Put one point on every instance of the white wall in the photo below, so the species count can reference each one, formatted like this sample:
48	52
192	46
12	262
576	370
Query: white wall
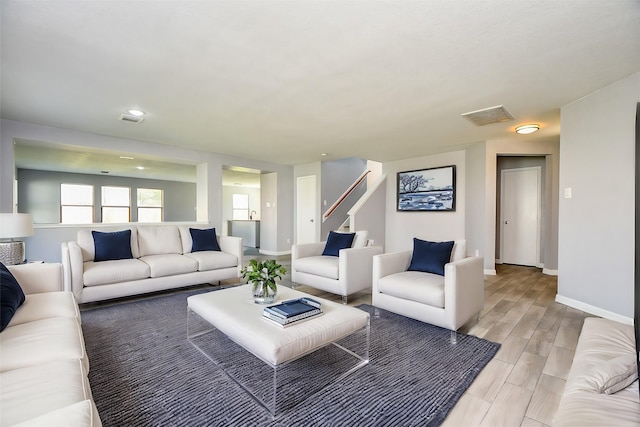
402	227
596	225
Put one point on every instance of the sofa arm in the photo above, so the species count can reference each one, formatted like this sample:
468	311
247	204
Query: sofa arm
391	263
355	267
464	289
73	268
304	250
233	246
37	278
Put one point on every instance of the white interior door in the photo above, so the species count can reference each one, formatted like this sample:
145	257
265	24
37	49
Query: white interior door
307	212
520	216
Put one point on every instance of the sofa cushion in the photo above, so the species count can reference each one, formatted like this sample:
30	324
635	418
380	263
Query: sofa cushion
11	296
213	260
37	390
203	240
337	241
112	246
81	414
107	272
46	305
159	240
425	288
84	239
41	341
430	257
169	264
325	266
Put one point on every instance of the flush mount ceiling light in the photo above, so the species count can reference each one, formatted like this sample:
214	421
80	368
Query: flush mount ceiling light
135	112
525	129
140	168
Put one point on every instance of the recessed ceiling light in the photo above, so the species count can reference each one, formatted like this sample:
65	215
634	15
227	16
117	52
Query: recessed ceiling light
324	154
525	129
126	157
140	168
137	113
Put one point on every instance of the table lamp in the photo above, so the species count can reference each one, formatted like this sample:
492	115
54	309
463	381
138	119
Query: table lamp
14	225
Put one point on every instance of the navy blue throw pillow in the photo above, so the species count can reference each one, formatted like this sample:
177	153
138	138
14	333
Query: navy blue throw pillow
11	296
430	257
204	240
337	241
112	246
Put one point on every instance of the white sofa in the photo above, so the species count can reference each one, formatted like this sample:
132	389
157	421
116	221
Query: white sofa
447	301
43	363
605	357
346	274
162	259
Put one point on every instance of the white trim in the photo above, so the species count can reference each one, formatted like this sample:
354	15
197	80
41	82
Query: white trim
587	308
549	272
273	253
498	261
489	272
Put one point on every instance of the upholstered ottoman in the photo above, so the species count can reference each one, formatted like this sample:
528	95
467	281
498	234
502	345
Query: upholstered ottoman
279	367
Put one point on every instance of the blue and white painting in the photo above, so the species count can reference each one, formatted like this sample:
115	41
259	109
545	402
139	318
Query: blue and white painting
427	189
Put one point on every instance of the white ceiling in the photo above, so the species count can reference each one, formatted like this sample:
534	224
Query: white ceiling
285	81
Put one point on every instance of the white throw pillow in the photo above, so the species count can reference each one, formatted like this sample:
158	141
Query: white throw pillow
616	374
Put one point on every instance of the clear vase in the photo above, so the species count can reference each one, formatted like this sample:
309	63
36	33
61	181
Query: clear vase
263	293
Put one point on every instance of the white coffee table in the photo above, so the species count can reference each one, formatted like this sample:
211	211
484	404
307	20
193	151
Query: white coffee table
283	366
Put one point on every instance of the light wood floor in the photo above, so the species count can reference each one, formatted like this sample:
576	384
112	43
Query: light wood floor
523	383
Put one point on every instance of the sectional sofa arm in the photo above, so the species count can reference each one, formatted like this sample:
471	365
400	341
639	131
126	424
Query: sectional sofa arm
73	267
233	245
37	278
303	250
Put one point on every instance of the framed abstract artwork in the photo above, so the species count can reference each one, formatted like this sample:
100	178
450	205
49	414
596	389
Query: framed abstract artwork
432	189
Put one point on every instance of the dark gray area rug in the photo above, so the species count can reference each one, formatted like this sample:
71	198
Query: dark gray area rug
144	372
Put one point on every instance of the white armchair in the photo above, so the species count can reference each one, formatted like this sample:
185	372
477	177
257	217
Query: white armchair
447	301
348	273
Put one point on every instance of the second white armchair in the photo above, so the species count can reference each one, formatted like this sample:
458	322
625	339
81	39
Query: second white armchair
448	298
345	274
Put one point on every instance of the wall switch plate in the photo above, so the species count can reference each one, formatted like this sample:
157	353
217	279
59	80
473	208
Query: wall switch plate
567	193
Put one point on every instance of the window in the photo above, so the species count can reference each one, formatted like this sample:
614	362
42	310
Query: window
115	204
240	206
76	204
149	205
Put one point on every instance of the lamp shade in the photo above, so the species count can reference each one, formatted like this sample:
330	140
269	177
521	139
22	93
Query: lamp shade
15	225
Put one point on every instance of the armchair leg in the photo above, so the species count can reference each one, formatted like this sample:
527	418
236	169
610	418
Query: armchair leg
453	339
344	299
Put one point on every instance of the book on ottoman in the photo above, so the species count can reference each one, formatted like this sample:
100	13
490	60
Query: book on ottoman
292	310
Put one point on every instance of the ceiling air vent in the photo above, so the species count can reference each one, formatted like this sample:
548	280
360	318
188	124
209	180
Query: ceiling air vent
488	115
130	118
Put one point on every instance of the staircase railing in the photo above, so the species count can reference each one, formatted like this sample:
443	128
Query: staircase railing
348	191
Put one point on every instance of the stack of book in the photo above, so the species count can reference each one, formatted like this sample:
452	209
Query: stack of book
289	312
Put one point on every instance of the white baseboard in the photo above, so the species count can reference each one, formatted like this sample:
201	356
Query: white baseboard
549	272
489	272
273	253
498	261
588	308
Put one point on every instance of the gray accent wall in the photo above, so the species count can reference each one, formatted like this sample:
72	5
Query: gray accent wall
39	194
596	225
